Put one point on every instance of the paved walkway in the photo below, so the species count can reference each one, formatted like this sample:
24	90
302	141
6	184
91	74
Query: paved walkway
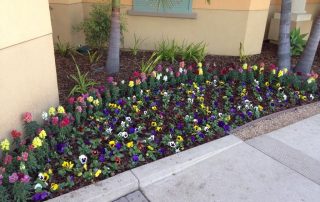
281	166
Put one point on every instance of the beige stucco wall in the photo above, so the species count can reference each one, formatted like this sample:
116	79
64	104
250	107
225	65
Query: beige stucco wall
223	24
28	79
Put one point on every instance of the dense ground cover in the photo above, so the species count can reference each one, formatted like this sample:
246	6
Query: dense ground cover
125	124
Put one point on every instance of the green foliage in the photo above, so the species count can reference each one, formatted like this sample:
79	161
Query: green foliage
243	58
297	41
82	82
94	57
21	191
148	67
193	52
4	196
97	27
31	128
137	43
64	49
168	50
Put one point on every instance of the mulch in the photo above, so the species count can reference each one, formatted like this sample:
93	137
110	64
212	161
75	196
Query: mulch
130	63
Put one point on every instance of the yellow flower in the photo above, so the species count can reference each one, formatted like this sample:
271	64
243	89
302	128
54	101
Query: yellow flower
96	102
154	108
179	138
130	144
85	166
54	187
200	65
201	99
131	84
208	82
278	85
52	111
43	134
254	67
79	174
303	97
98	172
311	80
196	128
267	83
273	71
37	142
61	110
195	85
245	66
285	70
153	124
67	164
261	70
200	71
5	145
90	99
228	118
112	143
280	73
158	128
50	171
260	108
150	148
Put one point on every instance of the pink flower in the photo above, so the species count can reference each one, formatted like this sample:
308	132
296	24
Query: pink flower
80	99
177	74
25	179
1	178
13	178
109	79
65	121
15	134
182	64
27	117
55	120
7	159
143	77
24	156
71	100
159	68
79	109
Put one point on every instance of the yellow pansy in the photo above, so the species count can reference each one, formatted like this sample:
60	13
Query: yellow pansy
154	108
112	143
36	142
90	99
154	124
98	172
200	71
96	102
201	99
159	128
130	144
179	138
50	171
61	110
278	85
5	145
200	65
131	84
254	67
54	187
245	66
228	118
150	148
260	108
267	83
197	128
280	73
42	134
67	164
85	166
208	82
52	111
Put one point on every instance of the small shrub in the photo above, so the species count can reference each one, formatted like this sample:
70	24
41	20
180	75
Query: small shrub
64	49
137	43
97	27
94	57
297	42
82	82
193	52
148	67
168	50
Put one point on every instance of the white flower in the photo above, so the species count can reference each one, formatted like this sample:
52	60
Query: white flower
165	78
109	130
285	97
124	134
180	70
145	112
83	159
44	116
165	94
159	76
123	124
141	92
172	144
151	138
122	82
195	120
167	69
41	176
239	107
247	101
206	129
177	150
128	119
220	114
190	100
260	98
38	186
311	96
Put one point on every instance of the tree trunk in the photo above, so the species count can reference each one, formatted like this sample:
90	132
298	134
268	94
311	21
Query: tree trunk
113	57
305	63
284	55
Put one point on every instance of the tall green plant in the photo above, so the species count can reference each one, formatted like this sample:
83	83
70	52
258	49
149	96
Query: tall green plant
297	41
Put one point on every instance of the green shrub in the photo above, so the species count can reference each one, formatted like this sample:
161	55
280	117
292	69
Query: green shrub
64	49
97	27
94	57
137	43
168	50
148	67
193	52
297	42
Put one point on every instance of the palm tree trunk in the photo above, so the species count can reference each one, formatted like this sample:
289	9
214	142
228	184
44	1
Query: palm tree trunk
284	55
113	57
305	63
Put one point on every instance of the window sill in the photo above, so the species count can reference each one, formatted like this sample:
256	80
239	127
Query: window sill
165	15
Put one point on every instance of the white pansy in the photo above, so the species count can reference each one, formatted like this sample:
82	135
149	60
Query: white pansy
109	130
311	96
206	129
172	144
145	112
220	114
151	138
122	82
239	107
83	159
123	124
128	119
124	134
165	78
44	116
285	97
190	100
159	76
195	120
38	186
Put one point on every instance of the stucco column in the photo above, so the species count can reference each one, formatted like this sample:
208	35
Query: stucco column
299	19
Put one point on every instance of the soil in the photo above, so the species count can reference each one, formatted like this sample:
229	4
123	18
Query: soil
130	63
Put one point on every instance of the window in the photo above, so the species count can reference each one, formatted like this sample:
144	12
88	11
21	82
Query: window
178	8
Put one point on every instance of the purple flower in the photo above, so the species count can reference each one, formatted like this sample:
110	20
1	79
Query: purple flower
249	113
226	128
13	178
40	196
131	130
201	135
193	139
25	179
60	147
233	110
135	158
102	158
221	124
162	151
180	126
212	118
101	128
117	111
102	150
111	153
87	142
121	102
153	132
118	145
106	112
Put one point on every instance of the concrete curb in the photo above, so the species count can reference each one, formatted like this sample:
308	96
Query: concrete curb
158	170
124	183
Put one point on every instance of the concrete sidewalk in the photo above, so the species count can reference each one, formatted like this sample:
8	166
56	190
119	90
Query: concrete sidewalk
281	166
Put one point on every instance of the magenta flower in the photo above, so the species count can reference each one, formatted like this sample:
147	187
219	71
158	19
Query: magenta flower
7	159
24	156
25	179
13	178
109	79
27	117
71	100
79	109
55	120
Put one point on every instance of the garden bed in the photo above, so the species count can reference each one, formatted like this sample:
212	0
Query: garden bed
124	124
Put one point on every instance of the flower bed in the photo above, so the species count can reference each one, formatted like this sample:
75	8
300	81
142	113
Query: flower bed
123	125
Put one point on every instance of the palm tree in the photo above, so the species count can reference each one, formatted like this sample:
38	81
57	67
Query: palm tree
284	55
113	58
305	63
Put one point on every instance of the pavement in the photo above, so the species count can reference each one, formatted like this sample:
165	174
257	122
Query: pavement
281	166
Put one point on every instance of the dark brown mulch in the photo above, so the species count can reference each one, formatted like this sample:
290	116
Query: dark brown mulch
129	63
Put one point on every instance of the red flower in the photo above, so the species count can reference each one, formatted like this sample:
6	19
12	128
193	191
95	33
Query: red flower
15	134
71	100
55	120
65	121
224	71
117	159
136	74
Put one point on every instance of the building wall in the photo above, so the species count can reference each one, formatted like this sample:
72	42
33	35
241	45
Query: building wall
223	24
28	75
